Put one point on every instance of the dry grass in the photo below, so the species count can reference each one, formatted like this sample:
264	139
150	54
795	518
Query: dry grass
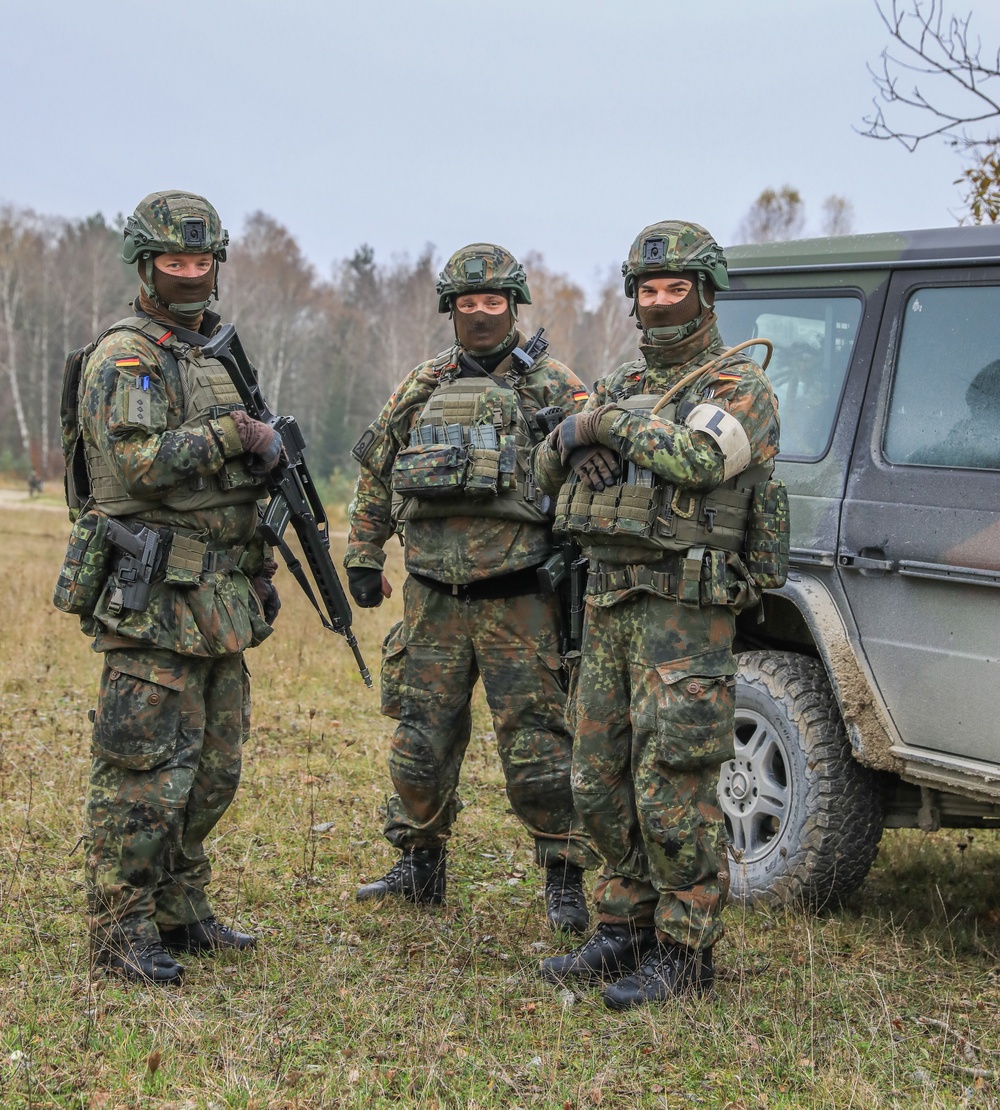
891	1001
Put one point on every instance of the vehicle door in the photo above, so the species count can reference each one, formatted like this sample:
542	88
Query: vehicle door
919	544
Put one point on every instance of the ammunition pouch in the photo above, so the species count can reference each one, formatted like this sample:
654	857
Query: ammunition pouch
439	470
85	568
768	535
430	471
469	455
698	577
657	516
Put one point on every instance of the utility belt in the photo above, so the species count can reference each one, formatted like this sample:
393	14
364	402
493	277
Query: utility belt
145	555
519	583
678	577
662	576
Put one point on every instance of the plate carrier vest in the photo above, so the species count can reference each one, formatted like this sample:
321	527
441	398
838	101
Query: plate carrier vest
469	455
208	391
647	511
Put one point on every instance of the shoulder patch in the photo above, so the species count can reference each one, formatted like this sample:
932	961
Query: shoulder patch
364	444
138	407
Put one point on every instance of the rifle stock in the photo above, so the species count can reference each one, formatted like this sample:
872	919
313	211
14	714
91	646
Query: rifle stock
294	498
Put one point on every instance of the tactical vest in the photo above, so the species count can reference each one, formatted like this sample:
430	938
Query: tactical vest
469	455
207	390
647	511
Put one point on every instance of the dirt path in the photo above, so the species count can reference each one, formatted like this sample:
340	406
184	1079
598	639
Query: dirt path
19	499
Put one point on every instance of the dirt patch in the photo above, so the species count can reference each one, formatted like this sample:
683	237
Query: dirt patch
21	499
865	726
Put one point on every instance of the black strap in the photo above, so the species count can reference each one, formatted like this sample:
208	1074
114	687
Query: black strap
520	583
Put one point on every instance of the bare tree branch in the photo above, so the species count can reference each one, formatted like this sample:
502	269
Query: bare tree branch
938	50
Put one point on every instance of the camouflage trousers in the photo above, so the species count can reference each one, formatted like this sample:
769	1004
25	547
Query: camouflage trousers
166	759
431	662
654	722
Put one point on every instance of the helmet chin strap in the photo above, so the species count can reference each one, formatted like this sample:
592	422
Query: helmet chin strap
668	337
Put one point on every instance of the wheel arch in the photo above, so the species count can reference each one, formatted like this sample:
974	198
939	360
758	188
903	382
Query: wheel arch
805	617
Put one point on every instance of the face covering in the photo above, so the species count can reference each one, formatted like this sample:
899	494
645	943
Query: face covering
173	292
481	333
671	315
668	324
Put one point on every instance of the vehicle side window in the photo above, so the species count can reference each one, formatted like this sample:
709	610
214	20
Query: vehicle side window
813	339
945	403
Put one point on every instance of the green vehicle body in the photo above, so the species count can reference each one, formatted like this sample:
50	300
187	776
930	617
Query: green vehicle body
865	699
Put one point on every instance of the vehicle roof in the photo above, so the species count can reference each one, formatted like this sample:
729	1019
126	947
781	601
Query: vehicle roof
976	245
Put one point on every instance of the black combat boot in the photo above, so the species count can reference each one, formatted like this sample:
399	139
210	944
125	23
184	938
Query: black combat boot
565	901
612	951
670	971
419	875
140	961
205	936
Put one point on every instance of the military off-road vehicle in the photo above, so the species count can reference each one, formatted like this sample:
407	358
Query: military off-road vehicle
869	690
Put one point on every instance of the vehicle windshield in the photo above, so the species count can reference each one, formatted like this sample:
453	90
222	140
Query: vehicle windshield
813	337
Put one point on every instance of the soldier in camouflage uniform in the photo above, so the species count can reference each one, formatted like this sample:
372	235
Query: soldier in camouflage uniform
654	713
452	448
168	446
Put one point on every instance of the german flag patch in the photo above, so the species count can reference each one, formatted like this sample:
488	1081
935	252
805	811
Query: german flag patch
127	363
580	395
729	377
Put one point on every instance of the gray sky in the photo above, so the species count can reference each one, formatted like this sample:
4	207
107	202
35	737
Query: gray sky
562	126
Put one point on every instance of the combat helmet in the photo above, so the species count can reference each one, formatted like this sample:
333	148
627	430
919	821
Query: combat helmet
672	245
478	267
174	222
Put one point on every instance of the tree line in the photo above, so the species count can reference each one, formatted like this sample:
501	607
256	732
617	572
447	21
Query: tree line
329	350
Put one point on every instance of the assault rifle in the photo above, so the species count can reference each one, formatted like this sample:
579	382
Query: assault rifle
294	499
524	357
565	571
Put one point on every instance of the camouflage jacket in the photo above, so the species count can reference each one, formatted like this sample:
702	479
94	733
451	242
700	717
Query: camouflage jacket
152	456
453	549
689	459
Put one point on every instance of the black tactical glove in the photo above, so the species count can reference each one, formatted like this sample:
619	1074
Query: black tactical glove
577	430
266	591
365	586
596	466
260	441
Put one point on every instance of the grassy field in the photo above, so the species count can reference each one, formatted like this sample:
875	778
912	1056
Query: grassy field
890	1001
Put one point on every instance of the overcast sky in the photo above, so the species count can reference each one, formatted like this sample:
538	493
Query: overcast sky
561	126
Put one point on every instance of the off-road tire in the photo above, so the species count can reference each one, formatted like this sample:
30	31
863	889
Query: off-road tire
804	817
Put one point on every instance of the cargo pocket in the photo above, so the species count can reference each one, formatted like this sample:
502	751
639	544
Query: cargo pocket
391	675
138	715
695	705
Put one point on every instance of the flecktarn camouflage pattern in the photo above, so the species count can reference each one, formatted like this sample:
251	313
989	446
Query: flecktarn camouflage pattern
174	703
478	267
431	665
167	749
174	222
673	245
654	712
448	641
650	738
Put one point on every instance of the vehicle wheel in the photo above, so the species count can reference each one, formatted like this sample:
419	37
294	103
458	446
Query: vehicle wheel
804	818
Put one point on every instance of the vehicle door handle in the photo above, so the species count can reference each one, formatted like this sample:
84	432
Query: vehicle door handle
869	559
